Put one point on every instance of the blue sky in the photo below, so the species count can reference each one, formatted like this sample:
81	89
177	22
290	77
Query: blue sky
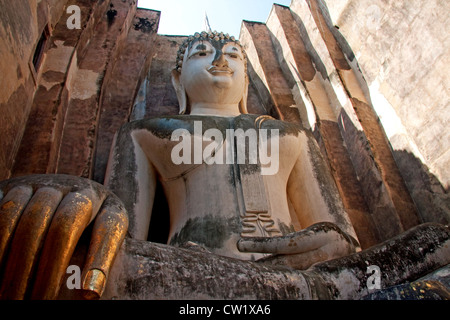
185	17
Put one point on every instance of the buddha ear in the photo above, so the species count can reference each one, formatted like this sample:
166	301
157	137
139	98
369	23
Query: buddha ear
179	90
243	102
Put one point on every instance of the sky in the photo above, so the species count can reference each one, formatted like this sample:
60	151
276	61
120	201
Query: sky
185	17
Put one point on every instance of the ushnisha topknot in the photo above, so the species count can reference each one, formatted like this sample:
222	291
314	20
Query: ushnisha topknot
208	36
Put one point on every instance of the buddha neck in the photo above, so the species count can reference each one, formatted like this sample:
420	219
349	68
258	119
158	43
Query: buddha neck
215	109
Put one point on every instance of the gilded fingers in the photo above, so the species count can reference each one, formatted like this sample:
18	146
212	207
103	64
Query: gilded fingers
11	208
108	234
94	284
39	233
27	241
70	220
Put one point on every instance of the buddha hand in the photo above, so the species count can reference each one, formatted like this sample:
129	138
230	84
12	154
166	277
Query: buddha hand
42	217
300	250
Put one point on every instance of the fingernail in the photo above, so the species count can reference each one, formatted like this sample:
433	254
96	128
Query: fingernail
94	284
241	245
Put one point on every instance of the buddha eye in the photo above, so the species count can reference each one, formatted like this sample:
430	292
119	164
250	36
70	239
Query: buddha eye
202	53
233	55
199	54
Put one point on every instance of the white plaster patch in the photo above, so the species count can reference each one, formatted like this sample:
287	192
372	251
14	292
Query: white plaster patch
389	118
390	121
348	283
84	84
57	60
58	57
304	106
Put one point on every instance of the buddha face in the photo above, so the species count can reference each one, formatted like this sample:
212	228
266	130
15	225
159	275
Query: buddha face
213	72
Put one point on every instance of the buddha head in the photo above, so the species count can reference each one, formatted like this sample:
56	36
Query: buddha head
210	77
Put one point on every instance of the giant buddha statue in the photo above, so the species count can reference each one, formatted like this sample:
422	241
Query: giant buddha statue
246	193
228	176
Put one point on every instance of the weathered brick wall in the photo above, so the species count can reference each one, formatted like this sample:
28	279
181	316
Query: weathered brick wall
403	51
21	26
125	73
84	90
297	57
38	151
391	175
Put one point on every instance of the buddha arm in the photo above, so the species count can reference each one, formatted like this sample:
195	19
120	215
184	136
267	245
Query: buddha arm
132	177
326	231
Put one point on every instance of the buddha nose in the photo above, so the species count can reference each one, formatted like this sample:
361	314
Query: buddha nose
219	60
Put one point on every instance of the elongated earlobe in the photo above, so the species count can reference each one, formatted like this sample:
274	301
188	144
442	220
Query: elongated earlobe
179	90
243	102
